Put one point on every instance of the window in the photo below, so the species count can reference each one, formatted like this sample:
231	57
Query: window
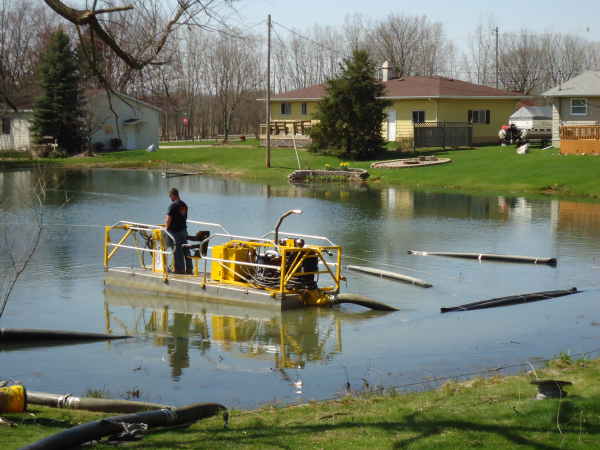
480	117
286	109
579	106
303	109
6	125
109	129
418	116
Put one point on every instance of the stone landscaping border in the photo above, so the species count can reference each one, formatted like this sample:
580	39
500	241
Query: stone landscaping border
407	163
329	175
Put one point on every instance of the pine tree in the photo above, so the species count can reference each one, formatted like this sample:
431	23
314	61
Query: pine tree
57	114
351	115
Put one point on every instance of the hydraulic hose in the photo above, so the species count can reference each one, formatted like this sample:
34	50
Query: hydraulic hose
364	301
98	429
69	401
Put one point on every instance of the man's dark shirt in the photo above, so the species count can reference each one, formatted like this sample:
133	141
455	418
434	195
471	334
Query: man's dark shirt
178	212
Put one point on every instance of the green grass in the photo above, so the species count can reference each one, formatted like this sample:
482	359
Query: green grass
480	413
492	168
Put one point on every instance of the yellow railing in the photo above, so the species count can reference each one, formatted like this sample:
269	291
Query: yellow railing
577	132
152	233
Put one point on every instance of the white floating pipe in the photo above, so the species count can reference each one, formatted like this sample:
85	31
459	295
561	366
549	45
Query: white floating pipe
391	275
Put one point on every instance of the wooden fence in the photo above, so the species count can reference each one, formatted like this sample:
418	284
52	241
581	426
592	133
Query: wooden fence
443	134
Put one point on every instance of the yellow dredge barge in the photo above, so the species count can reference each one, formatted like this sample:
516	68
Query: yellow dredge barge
265	272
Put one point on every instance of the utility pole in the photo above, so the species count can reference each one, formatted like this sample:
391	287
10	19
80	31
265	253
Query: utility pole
497	85
268	143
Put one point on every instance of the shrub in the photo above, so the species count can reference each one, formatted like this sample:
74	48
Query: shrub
58	153
115	143
97	146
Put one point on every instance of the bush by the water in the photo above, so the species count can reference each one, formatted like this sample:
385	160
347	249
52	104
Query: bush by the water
115	143
98	146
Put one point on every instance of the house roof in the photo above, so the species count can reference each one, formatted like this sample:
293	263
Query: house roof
25	102
524	102
585	85
414	87
533	112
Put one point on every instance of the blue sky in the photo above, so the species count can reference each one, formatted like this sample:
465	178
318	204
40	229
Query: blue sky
460	17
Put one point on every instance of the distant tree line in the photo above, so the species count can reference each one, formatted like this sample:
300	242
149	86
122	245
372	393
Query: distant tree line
192	59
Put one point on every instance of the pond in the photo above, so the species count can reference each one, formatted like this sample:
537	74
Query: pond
191	351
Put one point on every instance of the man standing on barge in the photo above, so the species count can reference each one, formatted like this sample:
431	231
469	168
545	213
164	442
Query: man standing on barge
176	225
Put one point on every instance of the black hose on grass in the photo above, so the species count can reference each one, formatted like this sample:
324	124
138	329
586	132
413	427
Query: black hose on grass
96	430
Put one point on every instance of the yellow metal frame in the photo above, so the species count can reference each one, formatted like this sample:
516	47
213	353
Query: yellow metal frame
318	298
314	297
156	234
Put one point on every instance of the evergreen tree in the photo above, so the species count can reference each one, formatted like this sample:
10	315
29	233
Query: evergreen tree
57	114
352	113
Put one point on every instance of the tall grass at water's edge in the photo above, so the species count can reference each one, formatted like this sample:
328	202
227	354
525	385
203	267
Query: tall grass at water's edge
490	413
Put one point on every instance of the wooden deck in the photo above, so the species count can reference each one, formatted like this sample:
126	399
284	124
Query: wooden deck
580	139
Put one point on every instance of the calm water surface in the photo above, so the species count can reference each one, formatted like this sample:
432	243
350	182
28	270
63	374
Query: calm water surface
189	351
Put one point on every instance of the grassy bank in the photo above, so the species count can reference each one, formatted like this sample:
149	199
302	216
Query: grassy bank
480	413
493	168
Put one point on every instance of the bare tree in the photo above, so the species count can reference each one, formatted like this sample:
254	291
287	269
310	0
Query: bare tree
232	69
478	63
522	63
23	219
95	115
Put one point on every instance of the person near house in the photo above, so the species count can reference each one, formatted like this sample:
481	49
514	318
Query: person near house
176	225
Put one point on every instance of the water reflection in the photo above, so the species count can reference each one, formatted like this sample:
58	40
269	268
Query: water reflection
286	339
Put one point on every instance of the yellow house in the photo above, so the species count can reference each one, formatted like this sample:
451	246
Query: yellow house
416	100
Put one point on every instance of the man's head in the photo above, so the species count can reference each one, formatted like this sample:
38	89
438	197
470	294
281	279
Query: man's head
174	194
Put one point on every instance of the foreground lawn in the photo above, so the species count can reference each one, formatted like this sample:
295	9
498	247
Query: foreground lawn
492	168
480	413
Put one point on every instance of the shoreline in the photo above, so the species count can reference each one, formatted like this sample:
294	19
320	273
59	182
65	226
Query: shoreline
491	412
485	169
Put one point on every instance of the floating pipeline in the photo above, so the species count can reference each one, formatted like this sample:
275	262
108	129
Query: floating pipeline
69	401
21	334
96	430
511	300
390	275
489	257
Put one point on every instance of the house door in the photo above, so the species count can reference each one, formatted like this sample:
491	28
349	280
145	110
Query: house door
391	125
132	138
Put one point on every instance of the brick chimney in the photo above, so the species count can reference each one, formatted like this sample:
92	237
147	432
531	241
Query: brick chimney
386	71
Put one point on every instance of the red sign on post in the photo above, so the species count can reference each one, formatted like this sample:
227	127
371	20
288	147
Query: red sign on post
185	122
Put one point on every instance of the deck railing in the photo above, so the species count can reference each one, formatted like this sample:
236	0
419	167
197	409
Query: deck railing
577	132
287	128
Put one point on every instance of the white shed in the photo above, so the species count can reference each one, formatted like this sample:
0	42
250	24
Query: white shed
133	121
532	117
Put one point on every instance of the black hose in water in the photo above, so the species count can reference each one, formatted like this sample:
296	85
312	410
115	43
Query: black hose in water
511	300
364	301
21	334
98	429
